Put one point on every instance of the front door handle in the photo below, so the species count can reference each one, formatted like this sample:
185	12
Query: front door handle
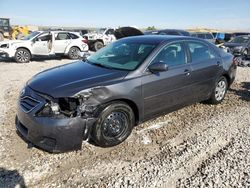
187	72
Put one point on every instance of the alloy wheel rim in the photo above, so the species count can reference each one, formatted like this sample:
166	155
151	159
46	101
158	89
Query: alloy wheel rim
220	90
115	124
74	53
22	56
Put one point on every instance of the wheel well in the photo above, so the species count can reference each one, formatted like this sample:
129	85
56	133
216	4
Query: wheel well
131	105
75	47
25	49
228	79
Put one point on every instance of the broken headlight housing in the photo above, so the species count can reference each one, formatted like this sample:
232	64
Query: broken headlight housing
49	109
62	107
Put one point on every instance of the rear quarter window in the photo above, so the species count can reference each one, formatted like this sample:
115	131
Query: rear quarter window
73	36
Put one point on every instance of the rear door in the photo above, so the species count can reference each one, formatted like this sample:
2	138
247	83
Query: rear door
164	91
62	40
206	66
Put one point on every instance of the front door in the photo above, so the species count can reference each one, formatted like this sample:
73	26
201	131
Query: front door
164	91
42	44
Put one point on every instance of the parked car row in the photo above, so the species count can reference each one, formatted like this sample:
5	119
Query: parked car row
71	44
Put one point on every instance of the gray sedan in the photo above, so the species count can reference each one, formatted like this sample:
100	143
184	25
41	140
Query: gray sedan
125	83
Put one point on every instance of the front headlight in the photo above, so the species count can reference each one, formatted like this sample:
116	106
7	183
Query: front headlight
49	110
61	107
4	46
55	108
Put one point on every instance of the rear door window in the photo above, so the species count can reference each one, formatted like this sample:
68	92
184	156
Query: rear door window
62	36
173	55
200	52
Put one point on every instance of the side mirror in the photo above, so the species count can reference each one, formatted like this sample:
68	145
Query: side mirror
158	67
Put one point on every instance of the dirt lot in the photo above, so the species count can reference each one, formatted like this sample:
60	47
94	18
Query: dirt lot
200	145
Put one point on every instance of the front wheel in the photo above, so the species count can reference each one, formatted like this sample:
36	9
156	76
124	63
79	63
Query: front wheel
114	125
22	55
220	91
74	53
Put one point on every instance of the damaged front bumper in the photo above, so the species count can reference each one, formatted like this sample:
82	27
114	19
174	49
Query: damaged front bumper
51	134
4	53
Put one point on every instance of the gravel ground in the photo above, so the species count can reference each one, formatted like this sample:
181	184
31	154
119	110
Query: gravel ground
198	146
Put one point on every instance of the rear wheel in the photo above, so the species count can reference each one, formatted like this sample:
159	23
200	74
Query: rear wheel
114	125
74	53
220	91
98	45
22	55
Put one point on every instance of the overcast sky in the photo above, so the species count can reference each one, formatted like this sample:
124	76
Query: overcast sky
182	14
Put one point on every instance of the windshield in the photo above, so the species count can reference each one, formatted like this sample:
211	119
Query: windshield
30	36
123	55
240	40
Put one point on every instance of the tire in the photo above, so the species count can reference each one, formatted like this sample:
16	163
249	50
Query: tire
74	53
98	45
114	125
219	91
22	55
1	37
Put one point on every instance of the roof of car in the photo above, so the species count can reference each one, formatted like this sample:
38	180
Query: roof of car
154	39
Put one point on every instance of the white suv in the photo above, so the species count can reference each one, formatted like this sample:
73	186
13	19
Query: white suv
100	38
44	43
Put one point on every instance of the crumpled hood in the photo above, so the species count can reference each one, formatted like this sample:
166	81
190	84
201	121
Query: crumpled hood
69	79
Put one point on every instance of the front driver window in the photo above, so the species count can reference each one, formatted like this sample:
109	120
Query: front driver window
172	55
44	37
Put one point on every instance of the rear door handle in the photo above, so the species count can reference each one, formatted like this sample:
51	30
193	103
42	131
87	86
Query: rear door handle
187	72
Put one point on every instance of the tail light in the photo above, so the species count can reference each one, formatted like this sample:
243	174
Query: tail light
85	41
